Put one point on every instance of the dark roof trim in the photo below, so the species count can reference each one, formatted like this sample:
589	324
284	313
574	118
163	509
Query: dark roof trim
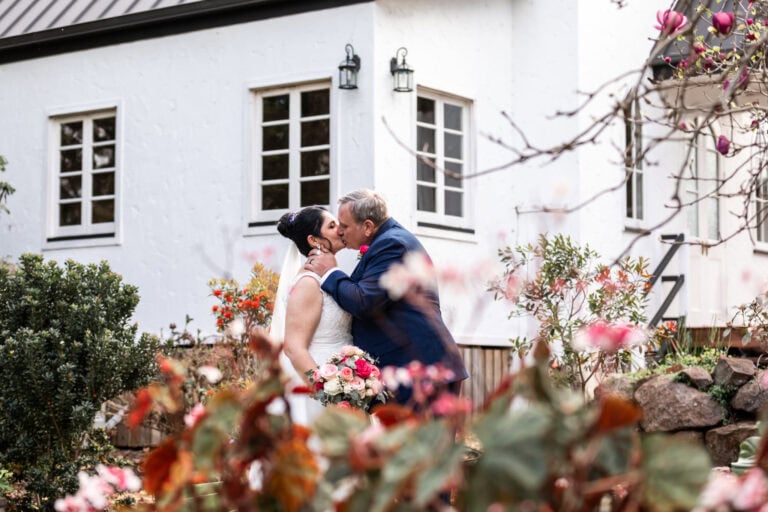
154	23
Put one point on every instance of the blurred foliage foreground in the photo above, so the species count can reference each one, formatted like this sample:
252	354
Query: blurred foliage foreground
534	447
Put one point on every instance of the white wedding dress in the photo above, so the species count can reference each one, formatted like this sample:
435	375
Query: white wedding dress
333	332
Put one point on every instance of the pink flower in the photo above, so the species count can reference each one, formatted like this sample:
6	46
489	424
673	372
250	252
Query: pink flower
364	368
720	489
608	337
349	350
328	371
364	249
122	479
670	22
723	22
357	384
448	404
753	492
344	405
375	373
194	416
347	374
71	504
94	490
375	386
723	145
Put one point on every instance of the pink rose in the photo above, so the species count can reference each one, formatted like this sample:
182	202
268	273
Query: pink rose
364	368
344	405
375	386
375	373
357	384
346	374
328	371
364	249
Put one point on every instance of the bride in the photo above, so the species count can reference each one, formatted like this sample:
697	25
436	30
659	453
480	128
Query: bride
306	319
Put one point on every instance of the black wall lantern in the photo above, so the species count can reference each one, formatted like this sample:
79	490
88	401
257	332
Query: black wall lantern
402	73
348	69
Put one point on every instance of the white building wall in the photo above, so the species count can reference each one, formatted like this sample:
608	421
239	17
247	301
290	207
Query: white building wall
183	104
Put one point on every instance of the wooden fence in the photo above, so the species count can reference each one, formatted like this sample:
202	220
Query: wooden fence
487	366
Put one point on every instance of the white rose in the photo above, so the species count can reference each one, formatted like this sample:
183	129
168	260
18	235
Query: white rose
332	387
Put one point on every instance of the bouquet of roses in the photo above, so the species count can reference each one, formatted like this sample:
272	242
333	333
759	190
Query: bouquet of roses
350	378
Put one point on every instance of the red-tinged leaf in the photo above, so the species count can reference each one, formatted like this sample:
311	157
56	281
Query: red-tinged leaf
157	466
293	479
141	406
617	413
393	414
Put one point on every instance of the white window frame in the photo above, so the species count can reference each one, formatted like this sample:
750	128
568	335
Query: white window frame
760	204
87	233
634	214
263	221
702	155
434	222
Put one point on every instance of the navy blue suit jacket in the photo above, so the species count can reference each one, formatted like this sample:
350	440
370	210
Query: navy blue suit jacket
394	332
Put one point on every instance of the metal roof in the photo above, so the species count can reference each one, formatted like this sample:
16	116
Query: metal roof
19	17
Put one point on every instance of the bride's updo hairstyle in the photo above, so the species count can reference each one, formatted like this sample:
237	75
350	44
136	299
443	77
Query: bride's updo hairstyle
298	225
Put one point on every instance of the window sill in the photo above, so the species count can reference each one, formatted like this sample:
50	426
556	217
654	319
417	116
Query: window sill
81	241
760	248
445	231
636	229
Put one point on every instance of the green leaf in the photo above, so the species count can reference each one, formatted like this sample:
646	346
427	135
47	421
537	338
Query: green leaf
675	472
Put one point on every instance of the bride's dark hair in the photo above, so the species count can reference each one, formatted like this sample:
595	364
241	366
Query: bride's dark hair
298	225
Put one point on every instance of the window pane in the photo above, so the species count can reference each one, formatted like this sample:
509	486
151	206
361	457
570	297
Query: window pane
275	137
761	217
425	110
274	167
425	140
456	168
630	196
103	156
453	145
712	214
425	199
315	192
72	133
315	163
639	194
275	107
452	117
424	171
692	215
69	214
104	129
71	160
70	187
453	203
274	197
315	133
103	211
103	184
314	103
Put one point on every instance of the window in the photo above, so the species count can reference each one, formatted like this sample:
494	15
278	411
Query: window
633	160
84	171
441	145
761	208
700	187
293	148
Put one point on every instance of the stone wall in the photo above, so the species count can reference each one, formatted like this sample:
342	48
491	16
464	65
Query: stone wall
719	410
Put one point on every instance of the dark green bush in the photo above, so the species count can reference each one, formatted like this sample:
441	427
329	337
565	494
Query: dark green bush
66	346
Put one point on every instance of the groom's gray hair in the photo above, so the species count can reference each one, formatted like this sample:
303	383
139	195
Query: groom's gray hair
366	204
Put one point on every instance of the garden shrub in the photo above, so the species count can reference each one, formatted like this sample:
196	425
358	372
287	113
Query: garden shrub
66	346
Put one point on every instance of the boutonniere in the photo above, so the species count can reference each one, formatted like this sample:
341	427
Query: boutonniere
363	250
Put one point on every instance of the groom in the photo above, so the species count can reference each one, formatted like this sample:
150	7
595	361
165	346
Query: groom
394	332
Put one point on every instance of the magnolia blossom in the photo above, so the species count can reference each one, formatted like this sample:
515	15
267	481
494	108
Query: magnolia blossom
723	22
670	22
723	145
608	337
211	373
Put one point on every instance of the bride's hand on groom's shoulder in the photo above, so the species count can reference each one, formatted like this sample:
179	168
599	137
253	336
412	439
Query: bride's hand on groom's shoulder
320	261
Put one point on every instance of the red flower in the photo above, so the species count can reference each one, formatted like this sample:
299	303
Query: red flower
215	308
363	250
217	293
364	368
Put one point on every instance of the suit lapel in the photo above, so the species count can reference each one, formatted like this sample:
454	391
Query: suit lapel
361	264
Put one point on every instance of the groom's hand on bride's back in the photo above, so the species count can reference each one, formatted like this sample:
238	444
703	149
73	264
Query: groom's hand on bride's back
320	262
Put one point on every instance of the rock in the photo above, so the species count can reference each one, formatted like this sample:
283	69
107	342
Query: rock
733	371
699	377
723	442
669	406
691	436
616	384
752	396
